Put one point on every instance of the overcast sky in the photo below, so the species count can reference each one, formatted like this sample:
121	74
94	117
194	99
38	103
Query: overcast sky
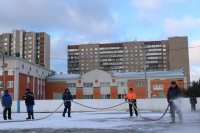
73	22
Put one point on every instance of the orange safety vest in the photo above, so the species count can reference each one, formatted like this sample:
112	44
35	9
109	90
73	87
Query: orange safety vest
131	95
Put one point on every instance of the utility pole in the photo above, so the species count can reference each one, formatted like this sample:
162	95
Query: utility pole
145	71
3	67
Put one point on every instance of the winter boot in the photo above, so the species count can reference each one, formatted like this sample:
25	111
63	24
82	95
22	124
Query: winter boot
29	116
180	118
32	115
63	114
173	118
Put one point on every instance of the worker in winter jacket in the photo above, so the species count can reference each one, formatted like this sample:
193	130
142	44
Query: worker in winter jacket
29	101
67	96
174	100
131	97
6	103
193	102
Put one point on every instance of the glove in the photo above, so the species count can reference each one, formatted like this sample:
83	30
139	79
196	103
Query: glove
128	100
133	101
125	99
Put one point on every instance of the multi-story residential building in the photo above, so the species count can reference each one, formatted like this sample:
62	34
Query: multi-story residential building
31	46
164	55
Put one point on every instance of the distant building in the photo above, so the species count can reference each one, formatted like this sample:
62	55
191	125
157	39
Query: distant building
164	55
21	74
32	46
98	84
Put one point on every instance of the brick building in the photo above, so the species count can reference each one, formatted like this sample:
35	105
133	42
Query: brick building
21	74
98	84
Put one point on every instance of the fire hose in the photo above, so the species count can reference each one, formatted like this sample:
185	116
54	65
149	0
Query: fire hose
90	108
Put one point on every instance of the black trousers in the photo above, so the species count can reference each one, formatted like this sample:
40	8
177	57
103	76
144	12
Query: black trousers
130	109
67	108
193	108
5	111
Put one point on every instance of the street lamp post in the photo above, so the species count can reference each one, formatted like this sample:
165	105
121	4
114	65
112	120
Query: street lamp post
145	71
3	67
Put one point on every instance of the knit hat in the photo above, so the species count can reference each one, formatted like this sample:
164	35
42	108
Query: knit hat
173	82
131	89
28	89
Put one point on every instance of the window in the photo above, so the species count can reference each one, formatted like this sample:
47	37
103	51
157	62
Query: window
71	85
5	48
30	42
87	85
1	84
10	84
105	84
157	87
29	37
29	46
164	49
139	83
122	84
29	51
6	39
87	96
5	44
135	46
105	96
10	71
121	96
29	56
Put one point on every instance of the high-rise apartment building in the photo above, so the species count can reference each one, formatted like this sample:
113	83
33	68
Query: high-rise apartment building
164	55
31	46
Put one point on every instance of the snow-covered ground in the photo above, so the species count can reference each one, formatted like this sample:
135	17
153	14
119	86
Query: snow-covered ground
102	122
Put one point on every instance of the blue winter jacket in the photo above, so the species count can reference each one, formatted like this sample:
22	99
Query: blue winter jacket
67	96
193	100
6	100
173	93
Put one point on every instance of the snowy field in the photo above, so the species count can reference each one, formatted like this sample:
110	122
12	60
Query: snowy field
102	122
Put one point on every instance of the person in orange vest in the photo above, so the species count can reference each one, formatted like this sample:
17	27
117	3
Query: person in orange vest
131	97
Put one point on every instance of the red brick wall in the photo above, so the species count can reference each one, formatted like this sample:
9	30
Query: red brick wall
35	89
79	93
96	93
139	90
54	88
8	78
114	93
31	83
166	84
22	85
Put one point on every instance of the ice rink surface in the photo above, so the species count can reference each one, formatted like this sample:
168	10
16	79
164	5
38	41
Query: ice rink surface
102	122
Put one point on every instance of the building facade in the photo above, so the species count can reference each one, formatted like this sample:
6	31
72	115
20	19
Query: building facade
98	84
21	74
165	55
31	46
